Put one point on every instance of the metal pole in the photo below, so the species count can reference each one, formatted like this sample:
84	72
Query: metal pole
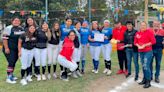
146	11
89	11
46	10
116	11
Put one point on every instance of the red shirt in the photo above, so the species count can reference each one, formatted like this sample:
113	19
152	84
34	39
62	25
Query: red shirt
118	33
144	38
67	49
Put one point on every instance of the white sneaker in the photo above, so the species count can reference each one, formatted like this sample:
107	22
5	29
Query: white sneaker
109	72
44	77
28	78
93	71
8	80
54	75
38	78
74	75
78	73
105	70
49	76
23	82
96	71
15	78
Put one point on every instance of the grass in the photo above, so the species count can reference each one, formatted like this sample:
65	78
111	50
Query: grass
74	85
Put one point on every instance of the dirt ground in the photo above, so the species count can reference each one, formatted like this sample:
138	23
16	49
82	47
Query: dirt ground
118	83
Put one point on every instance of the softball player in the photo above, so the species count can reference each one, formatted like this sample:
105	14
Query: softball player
95	47
31	22
26	53
107	47
43	35
10	47
84	33
65	28
77	50
53	49
66	54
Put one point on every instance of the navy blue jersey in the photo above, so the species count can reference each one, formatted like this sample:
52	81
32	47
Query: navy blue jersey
65	31
95	43
55	36
84	32
42	39
28	42
107	32
12	33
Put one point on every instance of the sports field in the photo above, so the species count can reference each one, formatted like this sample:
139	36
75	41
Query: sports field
83	84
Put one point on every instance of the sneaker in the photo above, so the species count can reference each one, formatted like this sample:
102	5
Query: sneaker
23	82
8	80
96	71
128	75
93	71
109	72
78	73
64	78
120	72
74	75
49	76
105	70
14	78
44	77
28	78
157	80
54	75
82	71
69	74
126	72
38	78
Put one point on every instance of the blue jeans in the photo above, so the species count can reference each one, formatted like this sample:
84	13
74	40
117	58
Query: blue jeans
157	54
145	61
129	55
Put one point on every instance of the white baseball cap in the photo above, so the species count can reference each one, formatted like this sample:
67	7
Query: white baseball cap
106	21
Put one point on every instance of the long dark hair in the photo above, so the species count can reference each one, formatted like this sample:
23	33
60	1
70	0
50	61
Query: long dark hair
27	25
56	22
28	33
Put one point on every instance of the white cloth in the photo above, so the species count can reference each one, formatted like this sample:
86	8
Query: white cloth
66	63
77	54
106	51
95	52
40	56
53	51
26	58
84	49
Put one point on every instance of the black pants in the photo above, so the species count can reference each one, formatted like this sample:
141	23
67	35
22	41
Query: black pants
122	59
12	58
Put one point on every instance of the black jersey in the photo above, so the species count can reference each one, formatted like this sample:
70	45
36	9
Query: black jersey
55	37
28	42
42	39
12	33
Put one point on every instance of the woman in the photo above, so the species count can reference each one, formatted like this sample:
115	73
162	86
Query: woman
95	46
43	35
10	47
131	50
77	50
84	34
107	47
118	36
30	22
53	49
144	39
66	53
26	46
65	28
